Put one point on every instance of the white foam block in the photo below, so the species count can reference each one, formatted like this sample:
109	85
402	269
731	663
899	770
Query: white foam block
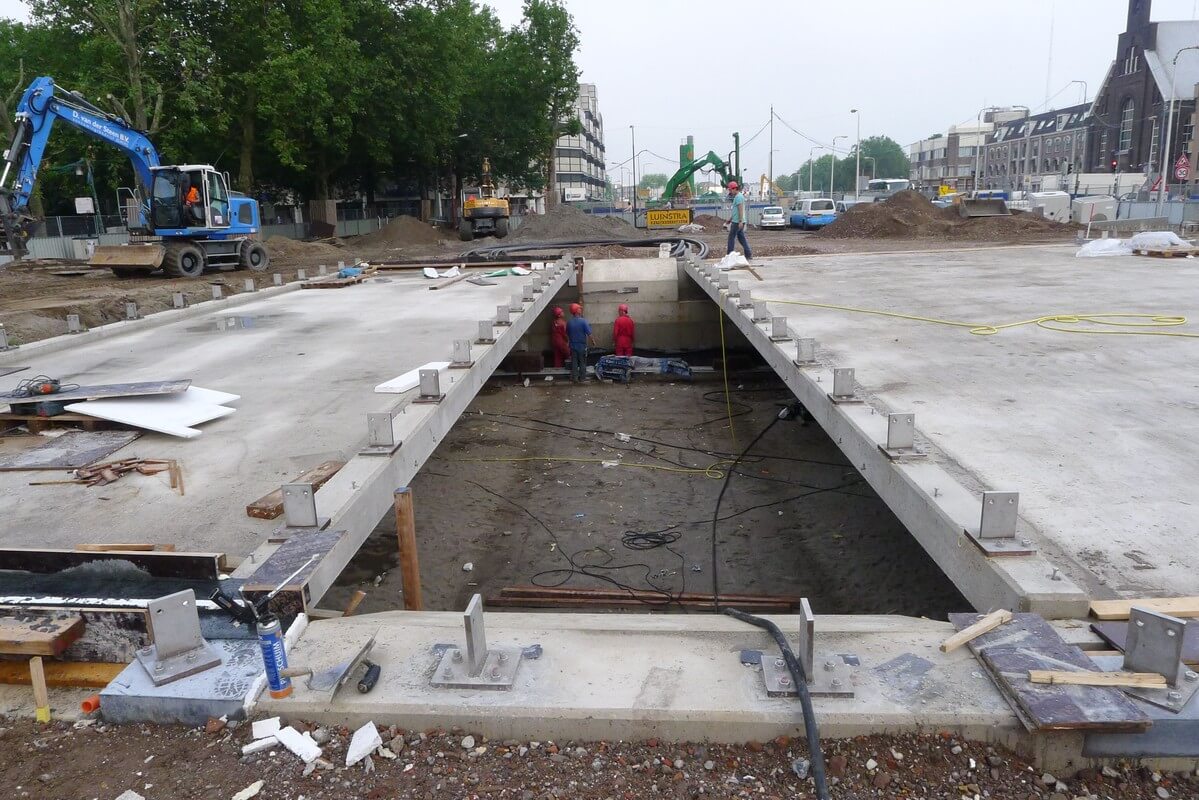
302	746
409	380
172	414
265	727
259	745
364	742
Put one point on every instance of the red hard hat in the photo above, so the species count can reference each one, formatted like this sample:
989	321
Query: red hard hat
575	308
557	311
733	184
623	308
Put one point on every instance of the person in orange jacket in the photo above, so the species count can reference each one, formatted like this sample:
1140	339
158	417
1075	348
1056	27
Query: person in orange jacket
558	339
622	331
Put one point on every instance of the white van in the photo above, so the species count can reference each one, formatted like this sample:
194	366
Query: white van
812	214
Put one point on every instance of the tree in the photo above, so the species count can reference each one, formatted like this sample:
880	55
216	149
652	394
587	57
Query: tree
890	159
788	182
654	180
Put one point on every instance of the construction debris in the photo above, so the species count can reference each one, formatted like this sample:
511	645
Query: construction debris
111	471
987	623
1148	680
366	740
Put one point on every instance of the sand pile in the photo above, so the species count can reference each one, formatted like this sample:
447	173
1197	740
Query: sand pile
910	215
569	223
403	231
280	247
709	222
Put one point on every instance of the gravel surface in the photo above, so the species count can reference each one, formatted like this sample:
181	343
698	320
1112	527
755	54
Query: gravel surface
100	762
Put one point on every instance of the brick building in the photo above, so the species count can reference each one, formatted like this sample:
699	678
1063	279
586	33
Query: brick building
1036	152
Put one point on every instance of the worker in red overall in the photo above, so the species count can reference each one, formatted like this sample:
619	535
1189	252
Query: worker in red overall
558	339
622	331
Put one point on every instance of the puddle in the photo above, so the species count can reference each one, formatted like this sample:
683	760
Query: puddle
233	322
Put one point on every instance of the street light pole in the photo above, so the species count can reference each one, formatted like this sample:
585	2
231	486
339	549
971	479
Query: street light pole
1084	89
811	167
857	171
633	137
873	165
1165	160
832	174
770	159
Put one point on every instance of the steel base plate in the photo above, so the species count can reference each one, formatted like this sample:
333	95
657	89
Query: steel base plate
461	364
502	324
999	548
484	341
431	399
779	338
1158	697
903	454
498	673
285	532
832	677
844	399
176	667
379	450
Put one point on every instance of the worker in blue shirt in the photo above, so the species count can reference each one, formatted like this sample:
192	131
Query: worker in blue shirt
578	331
740	220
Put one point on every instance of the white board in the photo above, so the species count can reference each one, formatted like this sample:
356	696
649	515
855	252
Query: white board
172	414
409	380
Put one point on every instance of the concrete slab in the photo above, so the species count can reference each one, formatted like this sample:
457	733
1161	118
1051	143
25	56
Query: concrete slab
305	364
1097	432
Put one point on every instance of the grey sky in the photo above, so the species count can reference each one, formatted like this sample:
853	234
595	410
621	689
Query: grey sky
913	67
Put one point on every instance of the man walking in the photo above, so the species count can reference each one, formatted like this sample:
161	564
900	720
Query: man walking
622	331
578	331
739	221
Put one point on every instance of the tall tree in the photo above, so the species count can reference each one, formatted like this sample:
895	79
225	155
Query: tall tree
654	180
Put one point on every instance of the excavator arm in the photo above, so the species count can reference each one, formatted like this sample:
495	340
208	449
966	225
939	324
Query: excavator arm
689	169
40	108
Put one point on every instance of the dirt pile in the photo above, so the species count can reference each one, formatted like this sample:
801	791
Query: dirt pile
709	222
910	215
283	249
403	231
569	223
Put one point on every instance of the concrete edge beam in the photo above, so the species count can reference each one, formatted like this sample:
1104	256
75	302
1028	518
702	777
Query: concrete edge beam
361	493
934	507
55	344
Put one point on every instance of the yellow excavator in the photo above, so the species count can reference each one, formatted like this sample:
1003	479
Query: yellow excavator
486	214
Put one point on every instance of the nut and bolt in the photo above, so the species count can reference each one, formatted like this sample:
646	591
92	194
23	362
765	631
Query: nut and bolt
159	668
836	683
778	662
784	680
1175	695
457	656
1192	676
495	673
503	658
829	666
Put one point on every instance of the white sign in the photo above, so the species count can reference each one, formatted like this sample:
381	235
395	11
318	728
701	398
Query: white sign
572	194
84	205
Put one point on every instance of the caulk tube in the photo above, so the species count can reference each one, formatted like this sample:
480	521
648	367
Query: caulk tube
274	656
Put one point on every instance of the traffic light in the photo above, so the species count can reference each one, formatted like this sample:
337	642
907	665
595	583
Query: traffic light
1115	161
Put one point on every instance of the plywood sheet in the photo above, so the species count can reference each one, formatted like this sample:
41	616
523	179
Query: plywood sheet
36	633
1028	642
71	450
173	415
147	388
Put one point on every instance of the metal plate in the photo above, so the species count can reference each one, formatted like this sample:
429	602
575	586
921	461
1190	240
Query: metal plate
107	390
999	548
179	648
500	665
71	450
831	677
10	370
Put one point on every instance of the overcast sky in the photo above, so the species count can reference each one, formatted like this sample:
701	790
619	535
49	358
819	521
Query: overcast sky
913	67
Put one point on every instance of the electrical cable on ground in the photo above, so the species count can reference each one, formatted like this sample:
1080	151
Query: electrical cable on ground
710	471
681	246
724	368
1110	318
811	732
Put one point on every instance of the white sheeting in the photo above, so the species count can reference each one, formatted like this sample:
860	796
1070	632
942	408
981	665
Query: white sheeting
172	414
410	379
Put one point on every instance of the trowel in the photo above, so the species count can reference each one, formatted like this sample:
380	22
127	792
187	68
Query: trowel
331	679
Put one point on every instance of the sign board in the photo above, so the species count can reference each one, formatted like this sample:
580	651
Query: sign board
573	194
1182	168
667	217
84	205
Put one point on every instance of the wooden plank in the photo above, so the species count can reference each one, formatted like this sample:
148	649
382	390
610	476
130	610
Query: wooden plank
69	451
41	697
144	389
110	635
1146	680
1115	634
37	424
988	623
62	674
270	505
409	559
1118	609
355	601
159	564
39	633
1029	643
140	547
453	280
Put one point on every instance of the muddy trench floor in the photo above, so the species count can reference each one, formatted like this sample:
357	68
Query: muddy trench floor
533	487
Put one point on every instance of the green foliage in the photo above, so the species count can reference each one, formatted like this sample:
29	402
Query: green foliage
302	99
654	180
787	182
890	162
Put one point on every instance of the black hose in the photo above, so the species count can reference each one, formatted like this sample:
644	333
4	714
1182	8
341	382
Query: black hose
680	246
805	699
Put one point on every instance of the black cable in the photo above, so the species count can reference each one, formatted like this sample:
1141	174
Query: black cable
680	246
801	687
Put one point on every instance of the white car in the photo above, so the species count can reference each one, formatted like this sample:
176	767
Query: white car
772	217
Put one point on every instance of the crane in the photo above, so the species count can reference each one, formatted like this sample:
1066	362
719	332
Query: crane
181	218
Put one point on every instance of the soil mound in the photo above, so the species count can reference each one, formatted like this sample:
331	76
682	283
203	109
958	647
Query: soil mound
709	222
911	215
401	232
280	247
569	223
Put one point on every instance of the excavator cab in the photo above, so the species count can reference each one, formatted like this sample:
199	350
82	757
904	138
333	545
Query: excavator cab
174	205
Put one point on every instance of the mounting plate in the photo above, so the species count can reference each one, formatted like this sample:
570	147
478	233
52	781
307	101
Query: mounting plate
831	677
179	648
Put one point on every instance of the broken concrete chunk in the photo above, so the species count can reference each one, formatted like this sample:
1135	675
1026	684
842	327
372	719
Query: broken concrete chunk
250	791
129	794
263	728
303	746
364	742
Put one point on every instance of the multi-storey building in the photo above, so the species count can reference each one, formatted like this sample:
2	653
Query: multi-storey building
1036	152
579	165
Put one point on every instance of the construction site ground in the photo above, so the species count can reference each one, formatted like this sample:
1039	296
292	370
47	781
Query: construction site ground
533	487
84	763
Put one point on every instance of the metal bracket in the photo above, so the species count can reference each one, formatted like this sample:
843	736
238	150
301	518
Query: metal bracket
779	331
901	438
217	291
832	678
430	387
131	312
322	269
249	285
4	345
805	352
277	279
486	332
745	298
301	274
1154	644
844	389
517	305
476	666
723	282
501	315
529	293
74	324
761	312
179	649
996	534
380	438
461	357
179	300
299	511
538	288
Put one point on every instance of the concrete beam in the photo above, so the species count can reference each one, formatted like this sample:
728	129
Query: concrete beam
928	500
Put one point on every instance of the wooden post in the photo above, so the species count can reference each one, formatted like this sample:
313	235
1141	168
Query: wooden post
41	697
409	561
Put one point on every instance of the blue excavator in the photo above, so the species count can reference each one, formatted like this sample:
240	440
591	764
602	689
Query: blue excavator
182	219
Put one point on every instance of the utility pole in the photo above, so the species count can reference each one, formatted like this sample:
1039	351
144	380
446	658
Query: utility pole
857	170
811	168
770	159
633	137
832	174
